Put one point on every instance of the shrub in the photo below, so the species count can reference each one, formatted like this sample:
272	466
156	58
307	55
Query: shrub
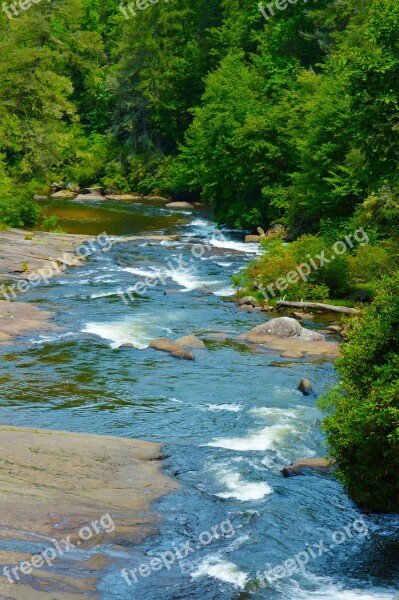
280	258
19	211
363	428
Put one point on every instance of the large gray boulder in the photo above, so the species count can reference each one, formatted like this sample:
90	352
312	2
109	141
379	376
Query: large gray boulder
283	327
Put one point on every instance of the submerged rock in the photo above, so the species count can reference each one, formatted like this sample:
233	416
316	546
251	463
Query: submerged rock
296	468
190	341
174	349
305	387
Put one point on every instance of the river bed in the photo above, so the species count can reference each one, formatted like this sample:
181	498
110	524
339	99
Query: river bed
230	420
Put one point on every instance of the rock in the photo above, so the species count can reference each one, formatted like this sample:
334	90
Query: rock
285	335
93	190
165	345
308	463
267	308
217	336
127	345
109	191
312	336
183	354
300	316
276	231
89	197
157	199
179	205
261	232
334	328
248	300
56	187
247	307
63	194
122	197
282	327
190	341
305	387
252	239
38	197
292	354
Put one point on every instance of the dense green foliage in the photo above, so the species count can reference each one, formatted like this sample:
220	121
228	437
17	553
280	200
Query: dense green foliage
363	430
290	119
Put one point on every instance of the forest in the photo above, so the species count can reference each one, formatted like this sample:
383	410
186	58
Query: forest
286	117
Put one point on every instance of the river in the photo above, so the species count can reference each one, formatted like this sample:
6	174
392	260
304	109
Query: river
230	420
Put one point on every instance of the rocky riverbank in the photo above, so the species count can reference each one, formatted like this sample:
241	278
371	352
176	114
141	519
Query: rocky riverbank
54	483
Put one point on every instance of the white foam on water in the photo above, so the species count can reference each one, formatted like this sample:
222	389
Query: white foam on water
187	279
223	570
230	407
199	223
225	291
242	490
153	273
224	264
134	331
265	439
104	295
272	413
325	589
238	246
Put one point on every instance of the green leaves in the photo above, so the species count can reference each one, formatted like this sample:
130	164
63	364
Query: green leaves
362	430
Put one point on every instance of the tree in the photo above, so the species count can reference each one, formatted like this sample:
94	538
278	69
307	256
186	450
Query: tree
363	428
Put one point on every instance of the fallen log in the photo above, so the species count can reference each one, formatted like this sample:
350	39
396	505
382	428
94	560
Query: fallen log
316	306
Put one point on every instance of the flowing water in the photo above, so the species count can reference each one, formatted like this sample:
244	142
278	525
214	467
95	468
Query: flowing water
230	420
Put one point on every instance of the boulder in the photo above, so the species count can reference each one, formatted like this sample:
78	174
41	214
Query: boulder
287	336
174	349
300	316
190	341
63	194
248	300
296	468
157	199
334	328
38	197
89	197
247	307
56	187
267	308
183	354
305	387
261	232
282	327
93	190
276	231
217	336
252	239
126	345
179	205
122	197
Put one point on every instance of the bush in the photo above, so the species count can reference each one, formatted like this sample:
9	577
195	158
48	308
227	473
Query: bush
20	211
280	258
363	428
